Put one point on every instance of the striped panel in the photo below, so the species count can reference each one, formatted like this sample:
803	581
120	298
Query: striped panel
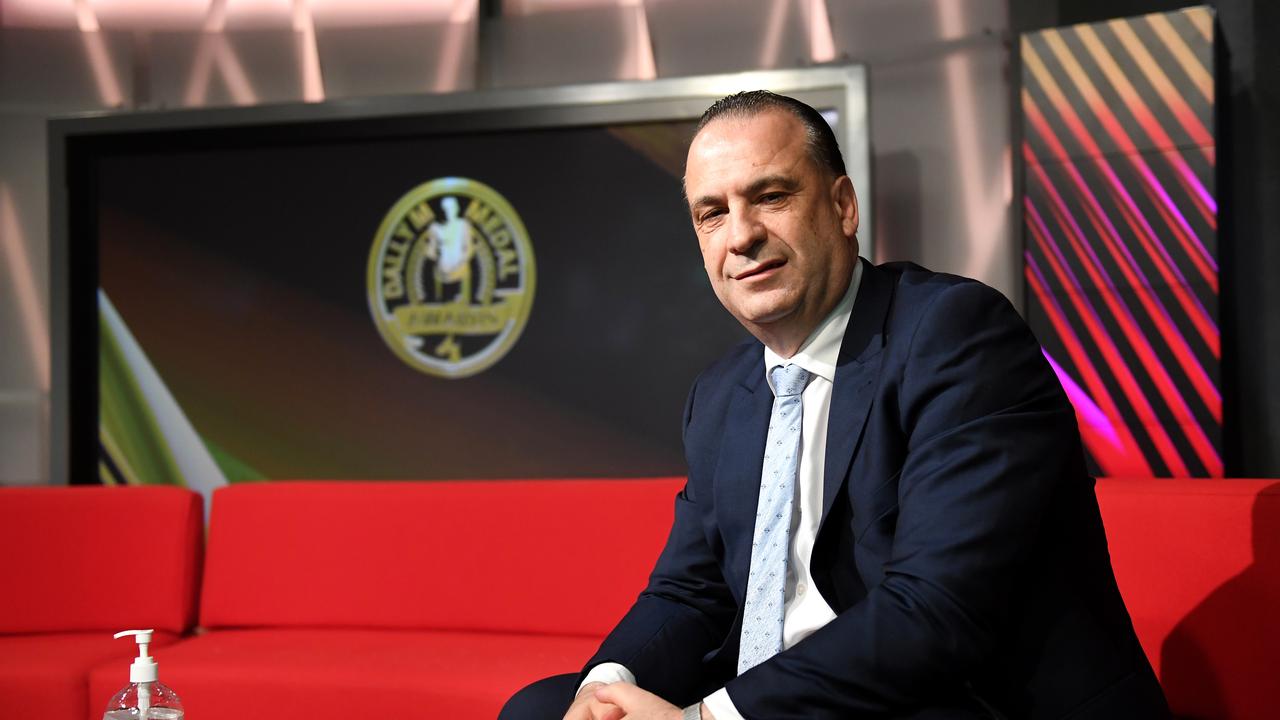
1120	236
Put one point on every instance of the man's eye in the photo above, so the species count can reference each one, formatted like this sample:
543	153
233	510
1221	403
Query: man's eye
711	214
771	198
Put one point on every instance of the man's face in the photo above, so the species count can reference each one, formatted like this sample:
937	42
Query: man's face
776	230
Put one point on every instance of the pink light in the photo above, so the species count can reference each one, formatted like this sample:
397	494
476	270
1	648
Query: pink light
104	73
822	46
240	14
1126	458
356	13
259	14
39	14
85	19
646	68
233	72
214	48
1091	414
151	14
308	52
201	71
463	11
449	71
216	19
21	275
773	33
1135	336
985	212
636	60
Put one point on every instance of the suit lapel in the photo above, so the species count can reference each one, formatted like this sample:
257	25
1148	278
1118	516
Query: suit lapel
737	476
857	369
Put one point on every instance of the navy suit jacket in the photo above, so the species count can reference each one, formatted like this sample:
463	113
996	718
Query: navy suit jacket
960	544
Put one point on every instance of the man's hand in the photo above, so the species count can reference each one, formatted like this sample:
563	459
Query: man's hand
638	704
586	707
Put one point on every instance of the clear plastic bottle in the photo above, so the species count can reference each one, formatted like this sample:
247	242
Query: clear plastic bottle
145	697
160	702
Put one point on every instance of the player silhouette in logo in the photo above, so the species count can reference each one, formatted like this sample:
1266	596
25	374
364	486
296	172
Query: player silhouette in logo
451	244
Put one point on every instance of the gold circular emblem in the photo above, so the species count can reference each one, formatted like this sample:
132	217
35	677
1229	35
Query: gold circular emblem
451	277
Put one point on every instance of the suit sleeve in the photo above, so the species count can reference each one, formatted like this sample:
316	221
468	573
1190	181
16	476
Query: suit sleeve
989	432
684	612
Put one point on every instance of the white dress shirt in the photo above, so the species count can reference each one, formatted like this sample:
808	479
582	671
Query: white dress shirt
804	609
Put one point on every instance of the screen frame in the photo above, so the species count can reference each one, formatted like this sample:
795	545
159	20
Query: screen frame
76	141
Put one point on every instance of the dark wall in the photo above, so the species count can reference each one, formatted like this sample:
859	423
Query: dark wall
1249	207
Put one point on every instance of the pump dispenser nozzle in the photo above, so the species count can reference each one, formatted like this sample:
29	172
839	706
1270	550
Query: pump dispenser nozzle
145	698
144	668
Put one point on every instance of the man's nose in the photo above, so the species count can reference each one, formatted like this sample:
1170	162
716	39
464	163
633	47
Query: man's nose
746	232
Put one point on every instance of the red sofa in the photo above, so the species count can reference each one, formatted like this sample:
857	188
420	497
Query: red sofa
1198	563
435	600
80	564
432	600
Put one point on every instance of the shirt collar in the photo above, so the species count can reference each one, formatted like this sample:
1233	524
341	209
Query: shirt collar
821	350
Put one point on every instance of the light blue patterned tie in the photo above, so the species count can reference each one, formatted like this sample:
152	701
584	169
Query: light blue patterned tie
771	543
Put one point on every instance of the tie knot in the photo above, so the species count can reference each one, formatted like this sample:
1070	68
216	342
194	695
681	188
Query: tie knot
788	380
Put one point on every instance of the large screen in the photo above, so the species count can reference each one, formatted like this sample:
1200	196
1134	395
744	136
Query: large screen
366	298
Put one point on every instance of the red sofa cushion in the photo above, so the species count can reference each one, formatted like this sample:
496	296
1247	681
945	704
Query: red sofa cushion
1198	563
541	556
47	675
99	558
341	674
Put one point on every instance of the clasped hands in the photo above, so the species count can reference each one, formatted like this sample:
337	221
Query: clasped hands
622	701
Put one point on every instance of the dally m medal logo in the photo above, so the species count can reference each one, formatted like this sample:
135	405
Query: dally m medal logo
451	277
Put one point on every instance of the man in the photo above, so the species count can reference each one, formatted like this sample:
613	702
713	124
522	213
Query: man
887	511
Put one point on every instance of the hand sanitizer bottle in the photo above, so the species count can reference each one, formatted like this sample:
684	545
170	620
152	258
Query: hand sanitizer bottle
145	697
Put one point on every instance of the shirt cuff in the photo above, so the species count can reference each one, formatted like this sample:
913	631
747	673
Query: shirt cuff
606	673
721	707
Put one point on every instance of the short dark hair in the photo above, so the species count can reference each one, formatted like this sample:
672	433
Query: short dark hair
821	140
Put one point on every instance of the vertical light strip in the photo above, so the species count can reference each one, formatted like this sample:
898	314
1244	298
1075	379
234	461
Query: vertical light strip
822	46
215	19
85	17
104	73
646	67
449	66
308	52
202	67
214	49
637	61
21	275
984	211
773	33
238	83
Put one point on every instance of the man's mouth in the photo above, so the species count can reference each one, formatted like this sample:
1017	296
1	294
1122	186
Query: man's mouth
761	270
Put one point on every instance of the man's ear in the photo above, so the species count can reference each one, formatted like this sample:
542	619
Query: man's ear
846	204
